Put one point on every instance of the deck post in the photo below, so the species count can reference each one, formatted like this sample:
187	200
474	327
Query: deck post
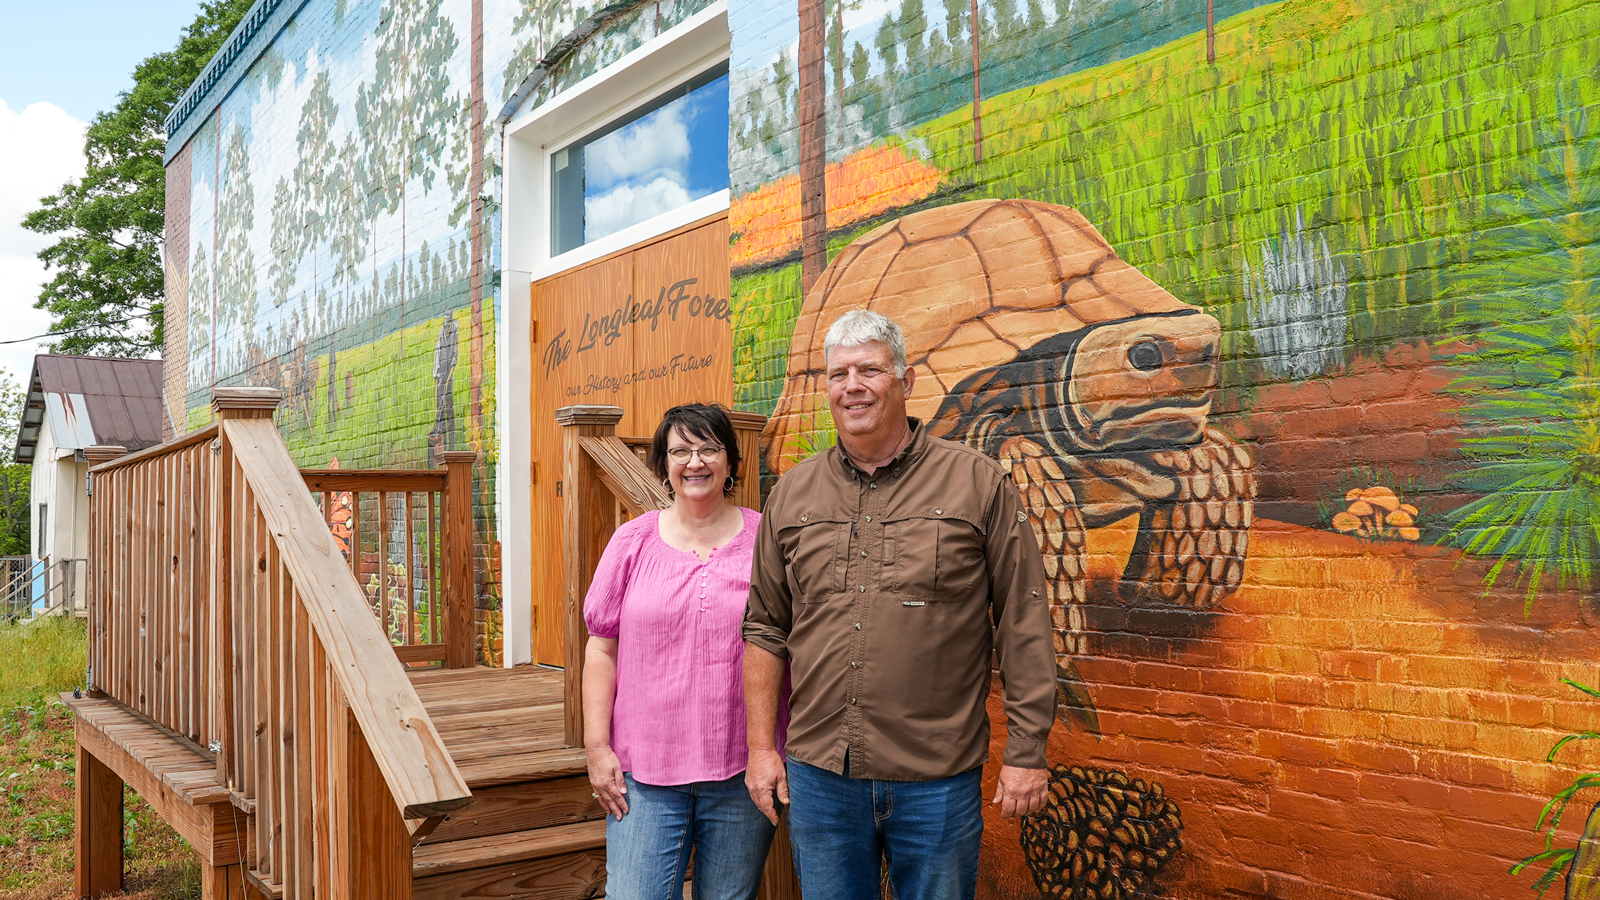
587	522
460	601
747	427
98	843
223	680
222	882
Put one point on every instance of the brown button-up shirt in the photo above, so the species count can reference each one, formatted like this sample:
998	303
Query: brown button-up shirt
888	593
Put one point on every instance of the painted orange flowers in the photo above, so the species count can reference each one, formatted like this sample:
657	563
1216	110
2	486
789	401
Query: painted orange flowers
766	222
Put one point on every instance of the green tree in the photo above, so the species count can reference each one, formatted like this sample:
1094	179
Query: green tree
407	114
16	479
884	40
105	293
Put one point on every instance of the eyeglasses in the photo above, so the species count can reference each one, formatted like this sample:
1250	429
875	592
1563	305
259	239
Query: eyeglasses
708	453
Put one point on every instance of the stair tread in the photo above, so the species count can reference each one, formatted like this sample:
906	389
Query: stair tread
498	849
536	765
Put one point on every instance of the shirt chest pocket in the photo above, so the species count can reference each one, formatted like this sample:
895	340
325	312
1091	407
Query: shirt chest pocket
934	557
814	548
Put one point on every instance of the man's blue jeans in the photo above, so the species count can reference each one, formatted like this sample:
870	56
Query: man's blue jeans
647	850
929	832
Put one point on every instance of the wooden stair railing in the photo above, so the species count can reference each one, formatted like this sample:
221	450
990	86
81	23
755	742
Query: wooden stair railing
221	607
432	509
605	483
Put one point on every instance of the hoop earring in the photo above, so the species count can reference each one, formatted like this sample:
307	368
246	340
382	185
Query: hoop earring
727	483
667	483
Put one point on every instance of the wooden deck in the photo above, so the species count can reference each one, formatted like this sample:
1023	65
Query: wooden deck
533	827
244	675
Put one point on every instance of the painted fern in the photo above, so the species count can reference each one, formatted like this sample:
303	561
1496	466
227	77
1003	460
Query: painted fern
1531	381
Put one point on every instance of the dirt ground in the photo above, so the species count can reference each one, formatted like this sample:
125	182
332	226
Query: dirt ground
36	818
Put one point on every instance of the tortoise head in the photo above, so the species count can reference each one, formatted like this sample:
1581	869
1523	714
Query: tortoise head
1145	381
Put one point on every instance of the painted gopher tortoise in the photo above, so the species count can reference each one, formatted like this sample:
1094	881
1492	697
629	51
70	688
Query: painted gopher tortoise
1035	343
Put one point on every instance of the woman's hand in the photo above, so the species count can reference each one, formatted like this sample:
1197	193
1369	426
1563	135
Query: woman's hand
605	776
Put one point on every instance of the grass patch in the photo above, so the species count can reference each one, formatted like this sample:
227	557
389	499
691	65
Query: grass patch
39	661
37	766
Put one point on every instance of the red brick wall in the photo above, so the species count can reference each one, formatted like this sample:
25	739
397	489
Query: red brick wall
1357	721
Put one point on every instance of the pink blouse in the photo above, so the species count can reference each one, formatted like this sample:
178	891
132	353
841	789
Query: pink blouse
679	712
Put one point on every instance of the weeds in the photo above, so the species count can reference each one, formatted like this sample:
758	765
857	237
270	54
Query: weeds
1557	859
37	771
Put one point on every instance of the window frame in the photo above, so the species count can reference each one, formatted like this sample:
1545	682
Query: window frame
665	63
657	101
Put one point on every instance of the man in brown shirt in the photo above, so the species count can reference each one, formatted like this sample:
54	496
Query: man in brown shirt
886	571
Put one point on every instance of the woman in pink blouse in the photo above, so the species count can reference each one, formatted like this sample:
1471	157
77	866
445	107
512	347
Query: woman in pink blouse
663	696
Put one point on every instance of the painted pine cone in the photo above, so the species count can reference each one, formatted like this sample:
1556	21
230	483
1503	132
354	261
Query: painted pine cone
1101	835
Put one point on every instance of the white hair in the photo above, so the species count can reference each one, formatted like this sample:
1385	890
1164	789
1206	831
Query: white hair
861	326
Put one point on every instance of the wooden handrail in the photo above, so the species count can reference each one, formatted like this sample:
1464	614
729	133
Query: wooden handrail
106	460
412	480
419	772
634	486
221	607
445	545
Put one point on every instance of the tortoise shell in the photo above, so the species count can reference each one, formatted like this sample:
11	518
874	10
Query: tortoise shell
972	285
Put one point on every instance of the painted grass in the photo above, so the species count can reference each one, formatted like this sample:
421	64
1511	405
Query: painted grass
1389	126
383	400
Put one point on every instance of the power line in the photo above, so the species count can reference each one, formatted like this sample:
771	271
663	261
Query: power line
70	331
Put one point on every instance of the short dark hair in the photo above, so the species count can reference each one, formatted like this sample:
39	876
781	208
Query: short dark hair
704	421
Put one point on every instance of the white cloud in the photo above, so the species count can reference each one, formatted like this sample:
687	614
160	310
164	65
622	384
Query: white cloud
629	204
40	148
659	141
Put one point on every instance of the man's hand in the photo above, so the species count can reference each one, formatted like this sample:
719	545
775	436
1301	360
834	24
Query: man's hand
766	776
605	777
1020	792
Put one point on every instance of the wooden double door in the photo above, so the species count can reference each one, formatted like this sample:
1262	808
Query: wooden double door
644	329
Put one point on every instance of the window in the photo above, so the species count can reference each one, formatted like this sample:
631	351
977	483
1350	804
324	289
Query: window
44	530
661	156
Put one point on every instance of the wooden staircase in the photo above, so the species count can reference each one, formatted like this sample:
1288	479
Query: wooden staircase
533	828
245	678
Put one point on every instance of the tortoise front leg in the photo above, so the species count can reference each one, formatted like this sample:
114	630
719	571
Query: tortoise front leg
1058	525
1190	550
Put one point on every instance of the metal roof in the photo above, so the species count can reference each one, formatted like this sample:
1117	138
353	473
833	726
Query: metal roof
92	400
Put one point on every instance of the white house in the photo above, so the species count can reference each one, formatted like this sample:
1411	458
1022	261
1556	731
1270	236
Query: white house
76	402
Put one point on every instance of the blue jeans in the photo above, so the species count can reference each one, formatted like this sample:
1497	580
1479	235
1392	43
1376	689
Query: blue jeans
647	850
929	832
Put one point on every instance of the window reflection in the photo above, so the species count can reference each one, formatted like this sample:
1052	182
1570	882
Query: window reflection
668	153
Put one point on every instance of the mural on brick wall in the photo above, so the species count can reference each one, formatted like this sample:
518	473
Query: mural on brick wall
329	247
1314	462
327	235
329	251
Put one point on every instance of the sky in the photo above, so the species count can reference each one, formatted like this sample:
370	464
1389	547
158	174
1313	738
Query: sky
60	63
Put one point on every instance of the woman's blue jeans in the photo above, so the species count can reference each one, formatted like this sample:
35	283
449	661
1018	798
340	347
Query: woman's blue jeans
647	850
842	828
